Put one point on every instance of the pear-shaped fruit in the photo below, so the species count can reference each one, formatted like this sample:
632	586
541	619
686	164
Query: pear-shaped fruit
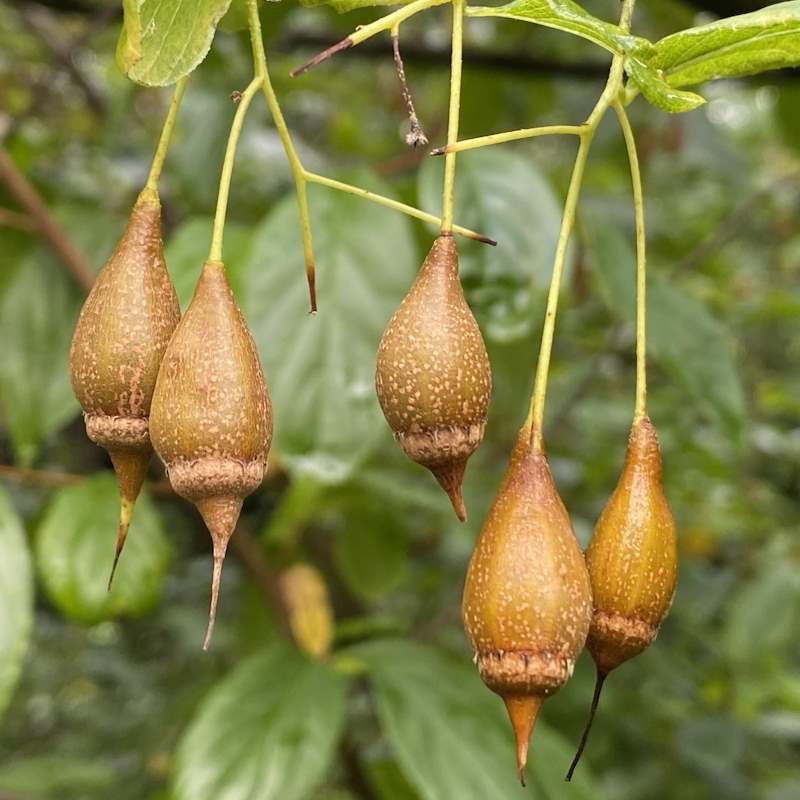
527	600
211	421
632	561
433	376
122	333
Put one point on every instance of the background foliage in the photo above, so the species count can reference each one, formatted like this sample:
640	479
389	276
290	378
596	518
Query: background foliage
112	696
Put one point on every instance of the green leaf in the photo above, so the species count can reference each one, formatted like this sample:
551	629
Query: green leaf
57	775
266	732
321	368
164	40
16	598
35	393
38	311
371	552
502	194
564	15
742	45
451	735
682	336
75	545
187	250
657	91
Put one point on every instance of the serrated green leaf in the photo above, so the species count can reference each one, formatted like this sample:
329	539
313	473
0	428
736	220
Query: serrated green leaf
732	47
656	89
451	735
75	545
266	732
321	369
564	15
682	336
502	194
164	40
16	598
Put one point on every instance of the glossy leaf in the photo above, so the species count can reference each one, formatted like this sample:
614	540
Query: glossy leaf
163	40
451	735
75	544
564	15
501	193
658	91
16	598
266	732
682	335
321	368
742	45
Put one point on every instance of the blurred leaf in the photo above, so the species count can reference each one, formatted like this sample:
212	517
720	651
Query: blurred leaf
452	736
564	15
371	552
268	730
75	545
502	194
38	311
657	91
164	40
388	781
731	47
321	369
187	250
298	505
16	598
765	613
56	776
682	335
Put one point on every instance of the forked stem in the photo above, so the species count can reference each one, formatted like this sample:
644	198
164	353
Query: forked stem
296	166
448	190
215	253
640	410
508	136
166	136
379	199
598	687
365	32
609	96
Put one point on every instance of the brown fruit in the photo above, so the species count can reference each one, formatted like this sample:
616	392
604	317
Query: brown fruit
122	333
433	376
211	421
527	600
632	561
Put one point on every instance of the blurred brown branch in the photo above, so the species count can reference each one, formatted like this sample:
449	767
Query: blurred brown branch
27	196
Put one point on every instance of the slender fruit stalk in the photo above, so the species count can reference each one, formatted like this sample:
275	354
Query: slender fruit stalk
527	600
211	421
121	335
632	561
433	376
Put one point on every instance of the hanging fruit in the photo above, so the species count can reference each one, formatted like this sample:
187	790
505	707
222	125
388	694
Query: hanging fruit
122	332
433	376
211	421
527	600
633	563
